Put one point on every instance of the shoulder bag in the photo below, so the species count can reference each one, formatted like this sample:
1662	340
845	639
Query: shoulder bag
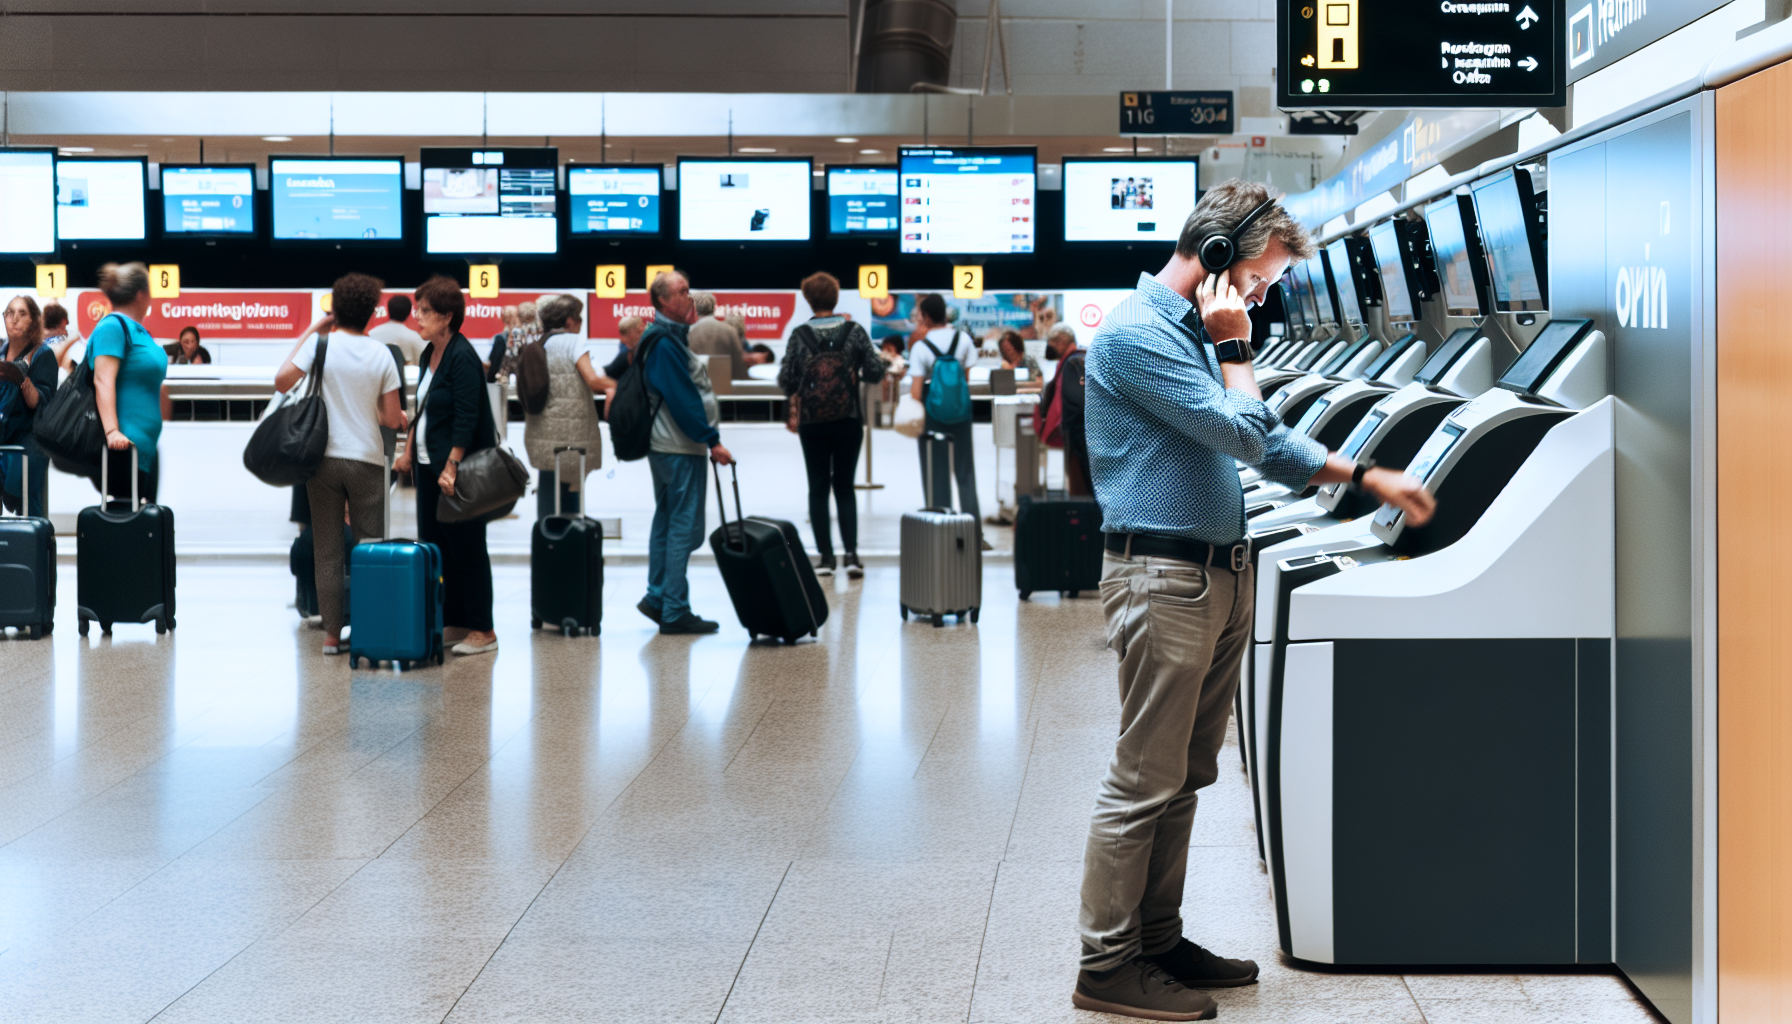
288	444
68	427
488	484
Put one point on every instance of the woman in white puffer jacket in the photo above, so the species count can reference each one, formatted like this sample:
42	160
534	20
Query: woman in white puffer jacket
570	416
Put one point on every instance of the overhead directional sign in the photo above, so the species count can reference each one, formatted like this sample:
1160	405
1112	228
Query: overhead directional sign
1207	112
1364	54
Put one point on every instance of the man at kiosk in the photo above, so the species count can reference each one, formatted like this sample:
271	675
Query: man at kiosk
1172	407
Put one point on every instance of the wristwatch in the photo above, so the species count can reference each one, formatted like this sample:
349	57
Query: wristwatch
1234	351
1362	470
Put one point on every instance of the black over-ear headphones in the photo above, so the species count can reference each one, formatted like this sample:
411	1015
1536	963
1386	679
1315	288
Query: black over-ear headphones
1217	252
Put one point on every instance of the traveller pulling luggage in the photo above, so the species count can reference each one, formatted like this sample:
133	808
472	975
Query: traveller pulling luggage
396	603
942	553
124	559
27	562
768	574
566	564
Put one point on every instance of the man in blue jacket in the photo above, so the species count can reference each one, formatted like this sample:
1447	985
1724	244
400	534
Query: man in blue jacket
684	432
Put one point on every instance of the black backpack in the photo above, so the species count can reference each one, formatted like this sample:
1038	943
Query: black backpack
829	391
632	414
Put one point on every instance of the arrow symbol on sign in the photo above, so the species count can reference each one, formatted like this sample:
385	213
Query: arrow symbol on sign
1528	17
1529	63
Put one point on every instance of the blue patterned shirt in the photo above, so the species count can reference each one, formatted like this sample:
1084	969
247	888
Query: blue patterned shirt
1164	431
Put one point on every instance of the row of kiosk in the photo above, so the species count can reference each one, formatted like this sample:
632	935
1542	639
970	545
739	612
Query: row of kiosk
1413	708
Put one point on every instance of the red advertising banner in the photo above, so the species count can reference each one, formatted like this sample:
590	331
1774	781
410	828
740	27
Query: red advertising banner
219	315
768	314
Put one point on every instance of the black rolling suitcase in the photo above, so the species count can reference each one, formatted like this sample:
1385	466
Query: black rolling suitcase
768	574
124	561
1057	546
566	565
27	563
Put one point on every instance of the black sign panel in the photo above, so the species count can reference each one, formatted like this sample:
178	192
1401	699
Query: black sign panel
1357	54
1176	113
1600	32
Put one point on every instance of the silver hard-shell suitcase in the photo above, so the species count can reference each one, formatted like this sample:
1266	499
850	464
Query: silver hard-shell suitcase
942	555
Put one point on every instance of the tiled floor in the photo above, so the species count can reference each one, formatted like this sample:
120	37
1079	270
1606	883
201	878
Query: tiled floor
224	826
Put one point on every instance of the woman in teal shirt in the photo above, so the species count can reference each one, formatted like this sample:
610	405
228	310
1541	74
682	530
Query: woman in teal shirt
128	369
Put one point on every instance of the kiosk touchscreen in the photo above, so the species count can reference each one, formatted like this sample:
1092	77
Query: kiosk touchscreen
1396	283
1456	247
1512	235
1336	257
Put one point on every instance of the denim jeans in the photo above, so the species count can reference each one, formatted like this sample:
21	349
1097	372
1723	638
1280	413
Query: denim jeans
1180	629
679	490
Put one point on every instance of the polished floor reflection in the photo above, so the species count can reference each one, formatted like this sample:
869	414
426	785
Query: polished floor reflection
225	826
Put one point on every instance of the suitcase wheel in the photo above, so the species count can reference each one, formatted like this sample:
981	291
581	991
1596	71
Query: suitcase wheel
1025	594
938	621
904	616
105	627
534	623
82	626
975	612
569	627
35	631
161	626
1074	594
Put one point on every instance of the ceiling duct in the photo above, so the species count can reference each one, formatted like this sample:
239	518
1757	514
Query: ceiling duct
906	43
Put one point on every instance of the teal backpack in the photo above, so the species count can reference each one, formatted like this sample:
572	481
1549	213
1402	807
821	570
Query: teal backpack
949	389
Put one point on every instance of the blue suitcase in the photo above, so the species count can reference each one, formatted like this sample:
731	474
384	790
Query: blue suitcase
27	563
396	603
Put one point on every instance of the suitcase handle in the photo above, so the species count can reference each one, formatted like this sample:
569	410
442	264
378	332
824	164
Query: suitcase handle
557	453
105	464
24	479
951	469
740	514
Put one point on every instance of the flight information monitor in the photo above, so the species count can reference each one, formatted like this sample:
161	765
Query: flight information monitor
616	201
208	199
1337	256
1457	273
101	198
329	199
1127	200
1322	293
1512	238
744	200
479	202
862	201
968	200
27	201
1396	289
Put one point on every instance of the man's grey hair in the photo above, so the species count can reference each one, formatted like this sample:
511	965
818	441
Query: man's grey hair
1061	330
660	288
1226	205
735	320
705	303
553	313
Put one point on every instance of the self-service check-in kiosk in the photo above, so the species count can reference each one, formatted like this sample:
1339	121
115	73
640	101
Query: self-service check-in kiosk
1417	690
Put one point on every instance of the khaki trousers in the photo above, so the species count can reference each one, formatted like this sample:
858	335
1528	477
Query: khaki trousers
337	485
1180	630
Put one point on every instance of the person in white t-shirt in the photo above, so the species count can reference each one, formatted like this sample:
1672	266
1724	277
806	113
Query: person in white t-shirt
942	339
362	392
394	332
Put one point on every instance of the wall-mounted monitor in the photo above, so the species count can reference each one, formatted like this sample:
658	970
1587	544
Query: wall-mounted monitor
1456	247
1126	200
27	201
969	200
614	200
1337	263
101	198
1396	281
862	202
1512	234
1322	292
744	200
490	202
337	199
208	200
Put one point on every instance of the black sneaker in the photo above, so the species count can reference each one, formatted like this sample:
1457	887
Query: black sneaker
651	612
1197	968
855	569
1140	988
825	566
689	624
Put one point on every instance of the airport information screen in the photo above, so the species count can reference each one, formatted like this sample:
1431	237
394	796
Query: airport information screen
337	200
744	200
614	201
862	201
1127	200
208	200
1395	295
27	201
490	201
100	199
968	200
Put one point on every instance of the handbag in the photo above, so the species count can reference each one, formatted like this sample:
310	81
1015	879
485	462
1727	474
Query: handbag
68	428
288	444
911	416
487	485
